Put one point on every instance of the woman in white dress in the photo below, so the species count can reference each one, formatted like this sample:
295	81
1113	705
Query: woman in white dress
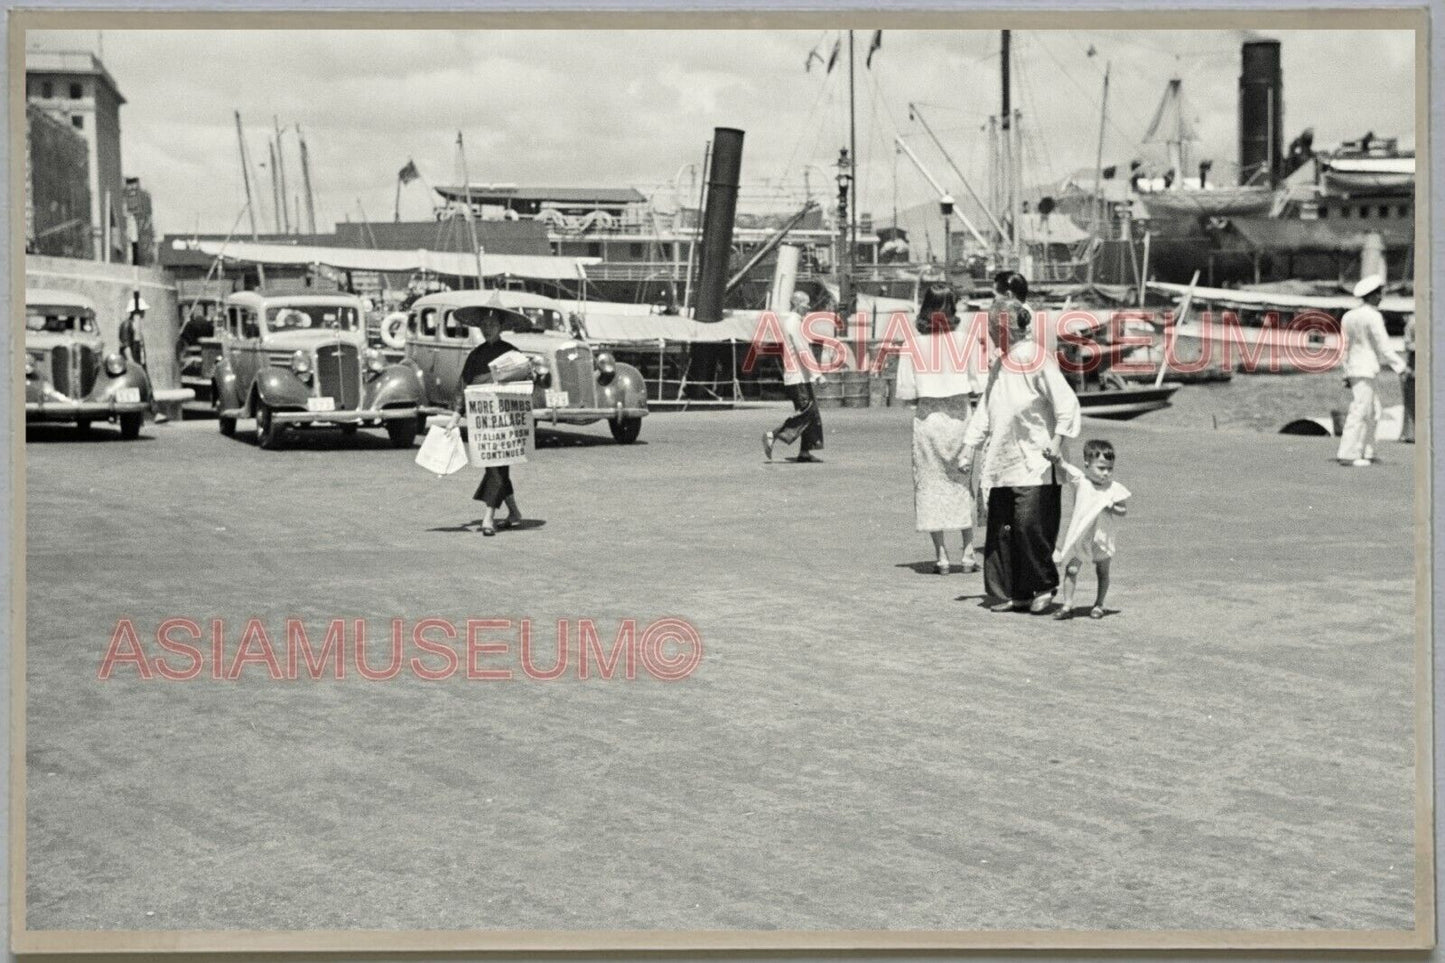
937	377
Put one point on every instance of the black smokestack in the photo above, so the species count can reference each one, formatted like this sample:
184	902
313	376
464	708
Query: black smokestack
1261	113
717	222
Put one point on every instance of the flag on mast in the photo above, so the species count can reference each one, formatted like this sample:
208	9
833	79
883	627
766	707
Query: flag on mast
833	57
873	47
408	173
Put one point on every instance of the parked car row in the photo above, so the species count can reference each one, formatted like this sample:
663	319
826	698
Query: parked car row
68	374
302	361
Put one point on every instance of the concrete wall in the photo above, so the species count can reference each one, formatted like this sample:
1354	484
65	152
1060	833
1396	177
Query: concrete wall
110	287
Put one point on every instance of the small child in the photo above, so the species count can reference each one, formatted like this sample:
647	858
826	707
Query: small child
1097	499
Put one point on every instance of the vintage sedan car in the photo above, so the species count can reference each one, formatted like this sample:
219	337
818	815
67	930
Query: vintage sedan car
301	360
574	384
69	376
198	349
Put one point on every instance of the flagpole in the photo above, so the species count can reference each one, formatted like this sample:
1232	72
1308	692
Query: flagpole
471	226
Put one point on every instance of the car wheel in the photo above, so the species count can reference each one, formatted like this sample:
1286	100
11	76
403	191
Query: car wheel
83	426
349	431
625	430
227	425
402	432
268	432
130	424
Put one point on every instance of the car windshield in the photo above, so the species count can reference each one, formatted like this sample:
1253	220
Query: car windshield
512	321
58	320
301	317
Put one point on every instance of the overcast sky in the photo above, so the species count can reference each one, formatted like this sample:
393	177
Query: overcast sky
632	108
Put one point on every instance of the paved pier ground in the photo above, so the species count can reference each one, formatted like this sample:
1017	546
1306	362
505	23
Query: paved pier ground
862	745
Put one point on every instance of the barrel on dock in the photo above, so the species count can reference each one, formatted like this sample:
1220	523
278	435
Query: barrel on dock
855	388
829	394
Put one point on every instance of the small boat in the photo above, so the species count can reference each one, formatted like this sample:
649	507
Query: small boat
1124	403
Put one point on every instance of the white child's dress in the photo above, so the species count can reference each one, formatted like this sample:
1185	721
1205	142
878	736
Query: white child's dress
1090	537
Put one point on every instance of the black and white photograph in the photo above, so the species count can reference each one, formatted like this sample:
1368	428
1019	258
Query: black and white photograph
912	480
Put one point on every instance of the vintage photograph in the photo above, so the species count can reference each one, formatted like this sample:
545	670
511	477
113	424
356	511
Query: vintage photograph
664	485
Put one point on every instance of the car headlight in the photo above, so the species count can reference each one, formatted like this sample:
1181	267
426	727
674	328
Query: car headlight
541	372
29	366
114	365
606	367
375	360
301	363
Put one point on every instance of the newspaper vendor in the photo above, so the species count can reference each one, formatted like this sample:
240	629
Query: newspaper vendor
496	485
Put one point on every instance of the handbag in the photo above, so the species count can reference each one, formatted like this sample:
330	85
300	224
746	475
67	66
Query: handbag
442	452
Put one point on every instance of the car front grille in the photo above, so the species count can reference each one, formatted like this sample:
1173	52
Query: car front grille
60	368
338	374
89	368
573	375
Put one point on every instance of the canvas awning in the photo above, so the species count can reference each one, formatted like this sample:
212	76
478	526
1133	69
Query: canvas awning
620	328
1277	234
437	262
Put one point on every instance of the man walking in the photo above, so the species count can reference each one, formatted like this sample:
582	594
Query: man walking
1366	345
800	373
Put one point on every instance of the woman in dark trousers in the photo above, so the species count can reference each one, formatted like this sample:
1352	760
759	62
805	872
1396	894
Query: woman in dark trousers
496	486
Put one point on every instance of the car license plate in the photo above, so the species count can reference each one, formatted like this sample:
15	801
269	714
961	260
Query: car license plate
557	398
320	404
128	396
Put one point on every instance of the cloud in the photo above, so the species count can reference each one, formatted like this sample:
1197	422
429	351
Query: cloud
632	108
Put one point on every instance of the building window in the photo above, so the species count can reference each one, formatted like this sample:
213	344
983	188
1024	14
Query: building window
75	91
47	89
1364	210
77	121
1324	213
1404	210
1384	211
1344	212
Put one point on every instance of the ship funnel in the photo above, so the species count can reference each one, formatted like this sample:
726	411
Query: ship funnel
1261	113
717	222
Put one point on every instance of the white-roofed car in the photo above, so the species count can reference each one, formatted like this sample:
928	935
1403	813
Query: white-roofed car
574	385
300	361
68	374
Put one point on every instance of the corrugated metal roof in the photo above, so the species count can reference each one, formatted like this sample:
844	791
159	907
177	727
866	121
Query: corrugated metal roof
356	259
493	194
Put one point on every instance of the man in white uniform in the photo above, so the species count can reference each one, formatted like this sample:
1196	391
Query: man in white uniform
800	373
1366	346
